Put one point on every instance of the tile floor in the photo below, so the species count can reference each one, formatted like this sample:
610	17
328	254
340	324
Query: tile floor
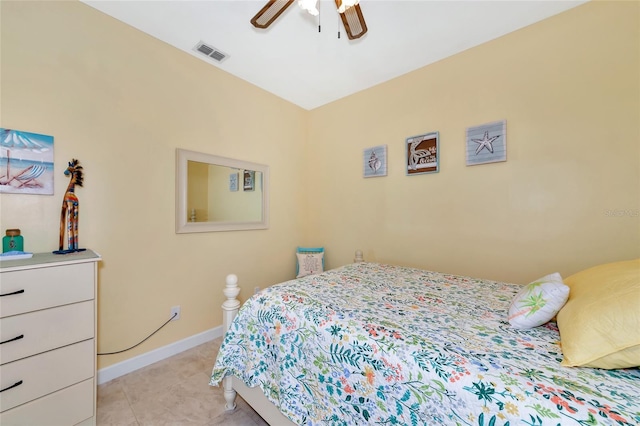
172	392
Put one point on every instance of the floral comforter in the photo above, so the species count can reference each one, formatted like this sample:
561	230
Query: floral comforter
377	344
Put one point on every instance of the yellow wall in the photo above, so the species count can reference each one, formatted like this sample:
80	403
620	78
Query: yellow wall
198	191
121	102
569	90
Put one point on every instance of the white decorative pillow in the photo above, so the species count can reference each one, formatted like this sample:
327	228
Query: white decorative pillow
538	302
310	263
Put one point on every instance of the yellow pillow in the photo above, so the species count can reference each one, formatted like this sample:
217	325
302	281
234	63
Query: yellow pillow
600	323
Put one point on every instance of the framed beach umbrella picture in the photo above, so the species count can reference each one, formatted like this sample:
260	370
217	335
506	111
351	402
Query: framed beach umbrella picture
26	162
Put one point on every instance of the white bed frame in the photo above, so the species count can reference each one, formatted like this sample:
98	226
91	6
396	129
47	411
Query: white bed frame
232	385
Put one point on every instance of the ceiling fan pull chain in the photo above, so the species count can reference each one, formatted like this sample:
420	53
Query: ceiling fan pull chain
338	25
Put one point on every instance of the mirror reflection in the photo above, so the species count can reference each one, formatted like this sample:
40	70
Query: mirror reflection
219	194
223	194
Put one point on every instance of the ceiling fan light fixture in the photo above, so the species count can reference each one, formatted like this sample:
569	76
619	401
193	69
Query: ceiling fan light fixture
346	4
310	6
350	14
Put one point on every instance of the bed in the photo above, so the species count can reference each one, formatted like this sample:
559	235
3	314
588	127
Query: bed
370	343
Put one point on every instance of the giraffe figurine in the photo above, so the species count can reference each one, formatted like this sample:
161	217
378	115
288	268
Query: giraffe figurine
70	209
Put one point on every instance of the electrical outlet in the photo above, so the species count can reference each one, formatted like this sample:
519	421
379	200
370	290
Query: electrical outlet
175	311
256	290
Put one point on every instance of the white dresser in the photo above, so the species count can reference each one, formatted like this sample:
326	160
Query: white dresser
48	339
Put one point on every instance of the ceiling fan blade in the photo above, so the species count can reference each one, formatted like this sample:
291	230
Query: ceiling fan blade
353	21
270	13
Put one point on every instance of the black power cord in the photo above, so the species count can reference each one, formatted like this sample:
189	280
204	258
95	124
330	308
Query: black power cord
145	339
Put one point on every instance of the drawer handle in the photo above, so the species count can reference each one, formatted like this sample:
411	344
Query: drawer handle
15	385
12	340
11	294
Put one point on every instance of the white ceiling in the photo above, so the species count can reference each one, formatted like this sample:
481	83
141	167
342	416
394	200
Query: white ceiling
294	61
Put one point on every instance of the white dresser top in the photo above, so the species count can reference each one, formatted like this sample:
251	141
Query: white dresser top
49	259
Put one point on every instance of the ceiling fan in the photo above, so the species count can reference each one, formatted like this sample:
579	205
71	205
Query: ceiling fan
349	10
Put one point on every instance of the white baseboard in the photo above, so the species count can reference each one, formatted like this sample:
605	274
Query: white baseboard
120	369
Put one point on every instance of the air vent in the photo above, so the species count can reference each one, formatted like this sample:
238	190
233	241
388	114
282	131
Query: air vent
210	51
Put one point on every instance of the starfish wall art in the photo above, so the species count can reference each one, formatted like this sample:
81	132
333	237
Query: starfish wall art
487	143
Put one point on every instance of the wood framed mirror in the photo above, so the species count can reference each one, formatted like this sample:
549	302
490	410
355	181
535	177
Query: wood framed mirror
216	193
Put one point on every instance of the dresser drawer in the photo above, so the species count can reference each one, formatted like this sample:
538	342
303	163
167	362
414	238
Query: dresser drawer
66	407
45	330
46	373
41	288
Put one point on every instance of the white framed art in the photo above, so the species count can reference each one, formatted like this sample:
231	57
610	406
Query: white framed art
423	154
487	143
249	180
233	182
374	161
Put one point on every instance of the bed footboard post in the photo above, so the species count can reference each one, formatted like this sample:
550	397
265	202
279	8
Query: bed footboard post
229	310
230	306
